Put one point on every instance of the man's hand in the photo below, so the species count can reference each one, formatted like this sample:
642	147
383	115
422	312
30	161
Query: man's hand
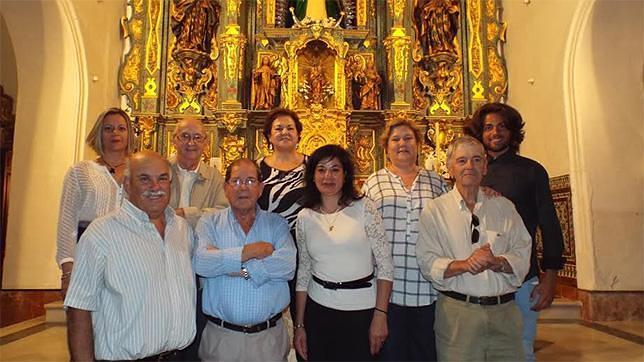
481	260
544	293
180	212
257	250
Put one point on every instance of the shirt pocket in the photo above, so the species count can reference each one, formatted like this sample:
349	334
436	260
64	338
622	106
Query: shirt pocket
498	241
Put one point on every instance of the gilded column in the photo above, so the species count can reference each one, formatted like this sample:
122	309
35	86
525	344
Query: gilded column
233	46
398	45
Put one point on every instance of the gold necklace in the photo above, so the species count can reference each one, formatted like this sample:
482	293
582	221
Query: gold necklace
326	220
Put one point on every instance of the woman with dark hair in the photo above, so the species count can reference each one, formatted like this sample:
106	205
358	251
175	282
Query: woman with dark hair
282	171
341	305
92	188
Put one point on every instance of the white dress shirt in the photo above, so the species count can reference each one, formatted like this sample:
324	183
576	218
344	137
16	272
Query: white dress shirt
186	180
445	235
139	287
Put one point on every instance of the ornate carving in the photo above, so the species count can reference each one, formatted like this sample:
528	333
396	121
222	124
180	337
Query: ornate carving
234	44
231	121
131	70
152	50
441	133
145	127
364	82
323	126
361	13
233	148
397	46
497	78
475	52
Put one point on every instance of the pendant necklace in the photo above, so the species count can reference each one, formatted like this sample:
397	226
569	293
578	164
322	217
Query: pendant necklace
110	168
326	220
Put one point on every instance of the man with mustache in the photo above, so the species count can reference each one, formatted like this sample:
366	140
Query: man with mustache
247	256
525	182
475	250
132	293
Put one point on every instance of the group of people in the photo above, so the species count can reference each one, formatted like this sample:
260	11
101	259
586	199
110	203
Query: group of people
170	261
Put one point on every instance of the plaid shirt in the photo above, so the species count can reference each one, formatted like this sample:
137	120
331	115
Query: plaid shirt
400	211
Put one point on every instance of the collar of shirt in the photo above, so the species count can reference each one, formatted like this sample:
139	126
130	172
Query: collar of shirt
189	172
141	216
462	205
506	156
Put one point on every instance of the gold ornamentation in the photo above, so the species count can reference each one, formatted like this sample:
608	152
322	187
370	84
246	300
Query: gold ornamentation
233	148
210	98
150	88
270	12
130	73
231	121
361	13
362	144
397	9
441	133
397	47
146	128
233	42
266	83
322	126
475	53
233	9
152	50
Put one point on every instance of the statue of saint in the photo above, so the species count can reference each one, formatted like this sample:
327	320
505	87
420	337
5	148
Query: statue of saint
370	82
266	85
439	24
317	81
195	24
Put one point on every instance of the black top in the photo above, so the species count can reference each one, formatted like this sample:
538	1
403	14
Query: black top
282	191
525	183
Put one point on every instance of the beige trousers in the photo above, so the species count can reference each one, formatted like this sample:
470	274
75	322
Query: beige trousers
471	332
221	344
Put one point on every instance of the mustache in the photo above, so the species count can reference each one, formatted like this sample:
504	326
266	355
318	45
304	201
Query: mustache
150	193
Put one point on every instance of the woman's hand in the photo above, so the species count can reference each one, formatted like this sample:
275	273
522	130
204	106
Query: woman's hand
299	340
378	332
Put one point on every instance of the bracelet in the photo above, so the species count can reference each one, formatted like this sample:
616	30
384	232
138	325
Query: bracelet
299	325
65	275
381	310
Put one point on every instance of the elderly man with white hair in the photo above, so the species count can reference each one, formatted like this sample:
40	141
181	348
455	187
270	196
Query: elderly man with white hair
476	251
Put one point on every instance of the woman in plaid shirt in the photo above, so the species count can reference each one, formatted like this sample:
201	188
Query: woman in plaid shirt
400	191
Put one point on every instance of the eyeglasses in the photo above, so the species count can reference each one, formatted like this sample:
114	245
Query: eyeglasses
475	230
187	137
237	182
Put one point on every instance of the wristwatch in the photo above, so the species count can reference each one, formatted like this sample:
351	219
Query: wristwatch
244	273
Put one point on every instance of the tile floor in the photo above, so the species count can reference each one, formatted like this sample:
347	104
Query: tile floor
557	340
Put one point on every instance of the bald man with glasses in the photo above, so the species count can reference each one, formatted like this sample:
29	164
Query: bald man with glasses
475	250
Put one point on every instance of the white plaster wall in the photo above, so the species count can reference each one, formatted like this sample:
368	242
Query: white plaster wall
608	106
67	61
8	77
48	107
536	41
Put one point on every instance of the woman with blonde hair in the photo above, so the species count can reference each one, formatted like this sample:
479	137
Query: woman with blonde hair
400	190
93	188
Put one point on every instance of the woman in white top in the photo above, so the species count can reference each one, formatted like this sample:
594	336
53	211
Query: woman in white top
341	306
93	188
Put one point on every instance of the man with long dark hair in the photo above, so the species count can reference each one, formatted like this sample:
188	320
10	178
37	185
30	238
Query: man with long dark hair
525	182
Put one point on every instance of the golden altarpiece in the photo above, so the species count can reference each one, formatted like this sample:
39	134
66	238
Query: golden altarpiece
345	66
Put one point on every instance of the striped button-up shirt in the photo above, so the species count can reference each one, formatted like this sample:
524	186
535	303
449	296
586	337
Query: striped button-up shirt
400	209
233	298
139	287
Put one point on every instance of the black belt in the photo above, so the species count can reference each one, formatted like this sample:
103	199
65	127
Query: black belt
499	299
246	329
163	356
353	284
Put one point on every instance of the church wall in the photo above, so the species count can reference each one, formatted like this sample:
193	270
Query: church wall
534	51
67	68
8	78
608	98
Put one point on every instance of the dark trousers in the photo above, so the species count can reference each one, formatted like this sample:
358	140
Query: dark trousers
411	334
191	353
337	335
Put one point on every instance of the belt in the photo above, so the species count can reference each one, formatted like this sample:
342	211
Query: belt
353	284
163	356
499	299
246	329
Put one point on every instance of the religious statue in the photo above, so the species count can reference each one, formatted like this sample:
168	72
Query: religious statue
370	82
266	85
195	24
316	88
438	25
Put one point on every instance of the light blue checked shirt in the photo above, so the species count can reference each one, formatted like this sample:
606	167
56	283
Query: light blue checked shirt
232	298
139	287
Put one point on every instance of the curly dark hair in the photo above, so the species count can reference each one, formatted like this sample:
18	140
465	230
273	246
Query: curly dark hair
511	118
312	197
272	116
